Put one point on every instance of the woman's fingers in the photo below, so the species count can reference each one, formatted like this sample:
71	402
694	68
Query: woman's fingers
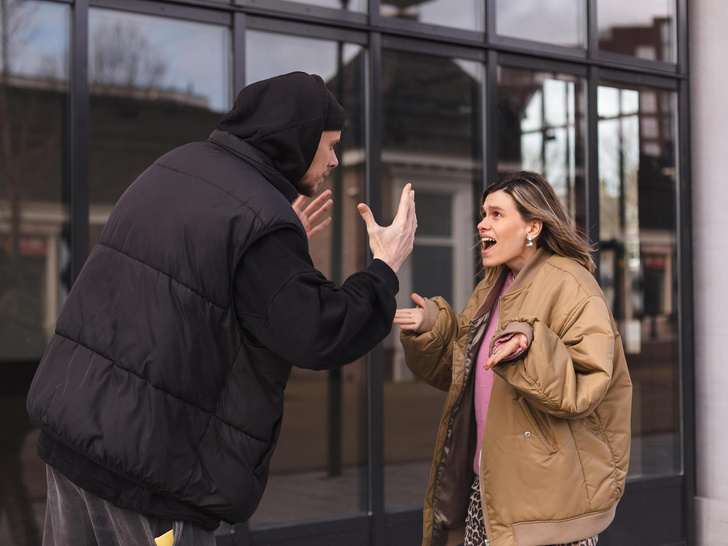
419	300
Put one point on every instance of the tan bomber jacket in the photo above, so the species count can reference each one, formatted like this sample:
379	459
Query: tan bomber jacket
556	443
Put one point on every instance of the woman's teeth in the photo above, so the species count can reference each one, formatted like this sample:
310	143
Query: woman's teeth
488	242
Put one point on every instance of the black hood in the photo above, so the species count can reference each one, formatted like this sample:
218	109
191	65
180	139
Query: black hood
282	118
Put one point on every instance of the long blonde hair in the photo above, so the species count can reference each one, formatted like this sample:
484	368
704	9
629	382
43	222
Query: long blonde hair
535	199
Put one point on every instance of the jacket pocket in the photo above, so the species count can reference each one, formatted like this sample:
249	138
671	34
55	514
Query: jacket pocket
538	428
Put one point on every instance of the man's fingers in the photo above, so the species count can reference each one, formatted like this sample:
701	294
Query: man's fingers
404	203
367	216
319	199
319	228
316	214
299	202
413	214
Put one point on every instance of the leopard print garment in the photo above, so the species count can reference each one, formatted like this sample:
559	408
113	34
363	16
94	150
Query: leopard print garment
475	525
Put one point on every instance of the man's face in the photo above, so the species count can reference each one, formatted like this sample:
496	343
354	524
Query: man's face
324	160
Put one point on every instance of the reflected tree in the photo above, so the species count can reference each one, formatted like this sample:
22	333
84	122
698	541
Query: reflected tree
123	58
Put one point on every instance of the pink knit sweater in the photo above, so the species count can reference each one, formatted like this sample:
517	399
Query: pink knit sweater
483	377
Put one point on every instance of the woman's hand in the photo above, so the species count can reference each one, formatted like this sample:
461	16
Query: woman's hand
315	209
411	319
517	343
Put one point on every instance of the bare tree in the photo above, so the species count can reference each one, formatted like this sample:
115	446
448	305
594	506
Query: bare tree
122	57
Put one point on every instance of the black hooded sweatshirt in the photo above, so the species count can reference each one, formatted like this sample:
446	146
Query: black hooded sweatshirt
162	388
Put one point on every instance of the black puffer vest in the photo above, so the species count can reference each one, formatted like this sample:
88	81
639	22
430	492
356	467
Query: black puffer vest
148	374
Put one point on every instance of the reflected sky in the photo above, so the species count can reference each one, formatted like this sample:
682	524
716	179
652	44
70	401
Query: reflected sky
461	14
269	54
556	21
39	40
197	56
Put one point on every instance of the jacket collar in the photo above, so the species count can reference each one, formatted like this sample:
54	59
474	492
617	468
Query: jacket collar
523	279
257	159
529	270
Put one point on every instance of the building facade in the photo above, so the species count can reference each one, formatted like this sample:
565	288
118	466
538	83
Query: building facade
446	94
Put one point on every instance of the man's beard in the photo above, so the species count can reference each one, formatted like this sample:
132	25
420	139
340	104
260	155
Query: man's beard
306	187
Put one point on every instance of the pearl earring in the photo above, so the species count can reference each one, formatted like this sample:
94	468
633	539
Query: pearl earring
529	242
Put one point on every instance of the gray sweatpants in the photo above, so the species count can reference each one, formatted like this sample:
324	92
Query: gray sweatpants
75	516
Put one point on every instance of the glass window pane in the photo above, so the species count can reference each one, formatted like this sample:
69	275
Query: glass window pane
541	128
638	272
644	29
434	214
460	14
154	84
319	468
34	238
558	22
430	137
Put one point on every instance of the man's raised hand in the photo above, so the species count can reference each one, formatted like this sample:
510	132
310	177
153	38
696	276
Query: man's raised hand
315	209
392	244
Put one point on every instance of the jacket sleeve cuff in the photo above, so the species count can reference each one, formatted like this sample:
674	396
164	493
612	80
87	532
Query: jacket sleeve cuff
386	273
431	312
513	328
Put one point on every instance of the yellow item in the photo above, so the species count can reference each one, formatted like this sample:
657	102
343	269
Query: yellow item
166	539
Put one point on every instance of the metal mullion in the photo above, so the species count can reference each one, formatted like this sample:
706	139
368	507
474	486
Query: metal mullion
636	63
375	374
239	23
428	30
490	19
491	114
686	333
592	161
630	78
306	30
79	110
538	48
373	15
649	69
682	36
527	62
428	48
592	30
219	15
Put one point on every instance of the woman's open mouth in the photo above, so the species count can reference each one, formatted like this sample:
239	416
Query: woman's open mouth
488	243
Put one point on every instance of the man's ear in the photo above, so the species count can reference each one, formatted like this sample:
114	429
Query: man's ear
534	230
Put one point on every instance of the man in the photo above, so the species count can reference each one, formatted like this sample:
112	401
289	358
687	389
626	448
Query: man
160	396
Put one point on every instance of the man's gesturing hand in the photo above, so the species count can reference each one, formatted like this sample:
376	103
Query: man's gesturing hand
315	209
392	244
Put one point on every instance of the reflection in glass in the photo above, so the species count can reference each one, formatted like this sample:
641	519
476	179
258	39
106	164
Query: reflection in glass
644	29
154	84
34	239
460	14
319	466
431	138
638	251
359	6
557	22
541	128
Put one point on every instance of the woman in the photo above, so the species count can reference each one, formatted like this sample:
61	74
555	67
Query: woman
534	440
